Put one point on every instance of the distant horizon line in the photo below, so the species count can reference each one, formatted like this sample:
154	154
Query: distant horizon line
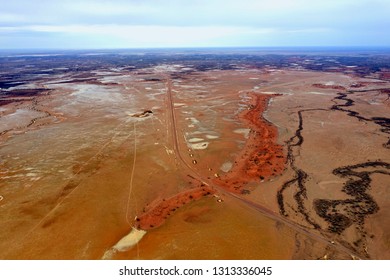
270	48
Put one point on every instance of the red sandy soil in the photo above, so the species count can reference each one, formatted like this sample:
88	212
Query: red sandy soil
261	157
328	86
155	214
73	170
385	75
364	84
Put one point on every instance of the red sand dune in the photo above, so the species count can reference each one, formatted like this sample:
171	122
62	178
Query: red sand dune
156	213
328	86
260	159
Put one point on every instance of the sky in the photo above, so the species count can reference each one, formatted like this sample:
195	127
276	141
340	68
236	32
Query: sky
102	24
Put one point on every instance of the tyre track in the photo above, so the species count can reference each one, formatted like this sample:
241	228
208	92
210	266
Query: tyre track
322	238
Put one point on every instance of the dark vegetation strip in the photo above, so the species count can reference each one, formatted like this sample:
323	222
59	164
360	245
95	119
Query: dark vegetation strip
300	175
360	206
343	213
383	122
340	213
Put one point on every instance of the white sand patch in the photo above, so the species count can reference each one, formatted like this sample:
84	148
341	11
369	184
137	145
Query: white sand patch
129	240
35	179
208	136
243	131
169	151
191	86
226	166
13	176
160	163
148	88
166	67
193	120
316	92
125	243
330	83
179	104
199	146
20	116
196	132
253	78
194	140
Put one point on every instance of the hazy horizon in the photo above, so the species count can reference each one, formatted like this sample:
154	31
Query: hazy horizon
222	49
119	24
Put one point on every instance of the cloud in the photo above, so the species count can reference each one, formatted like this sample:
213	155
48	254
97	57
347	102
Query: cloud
11	18
141	36
255	13
197	22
